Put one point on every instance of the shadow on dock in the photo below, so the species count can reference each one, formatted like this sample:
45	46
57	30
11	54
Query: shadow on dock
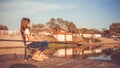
19	65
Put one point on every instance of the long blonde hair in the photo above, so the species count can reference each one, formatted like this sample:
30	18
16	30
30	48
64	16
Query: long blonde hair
24	23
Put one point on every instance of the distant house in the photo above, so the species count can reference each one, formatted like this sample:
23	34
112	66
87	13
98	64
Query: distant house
46	31
63	36
88	35
92	35
97	35
68	36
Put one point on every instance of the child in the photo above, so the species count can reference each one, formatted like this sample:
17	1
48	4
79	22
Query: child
40	44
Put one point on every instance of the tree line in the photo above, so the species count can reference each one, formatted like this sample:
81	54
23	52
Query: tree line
61	24
114	30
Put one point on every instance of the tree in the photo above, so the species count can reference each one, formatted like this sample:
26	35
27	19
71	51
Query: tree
53	24
59	20
83	30
89	31
115	29
72	28
59	23
37	27
93	31
3	27
57	27
106	33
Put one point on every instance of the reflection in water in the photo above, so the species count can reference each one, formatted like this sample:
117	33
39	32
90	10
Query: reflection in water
101	57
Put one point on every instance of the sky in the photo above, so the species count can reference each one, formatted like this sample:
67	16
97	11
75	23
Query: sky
89	14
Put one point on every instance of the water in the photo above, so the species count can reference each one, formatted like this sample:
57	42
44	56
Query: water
107	54
101	57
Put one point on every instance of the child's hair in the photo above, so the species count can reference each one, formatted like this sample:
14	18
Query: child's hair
23	26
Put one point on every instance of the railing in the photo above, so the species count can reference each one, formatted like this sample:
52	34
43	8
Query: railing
25	48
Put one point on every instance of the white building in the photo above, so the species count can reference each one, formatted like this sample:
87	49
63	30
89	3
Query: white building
97	35
63	36
88	35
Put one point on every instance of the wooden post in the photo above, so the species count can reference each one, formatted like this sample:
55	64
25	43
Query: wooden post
65	46
25	52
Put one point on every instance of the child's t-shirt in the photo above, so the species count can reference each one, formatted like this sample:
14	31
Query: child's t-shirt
27	32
